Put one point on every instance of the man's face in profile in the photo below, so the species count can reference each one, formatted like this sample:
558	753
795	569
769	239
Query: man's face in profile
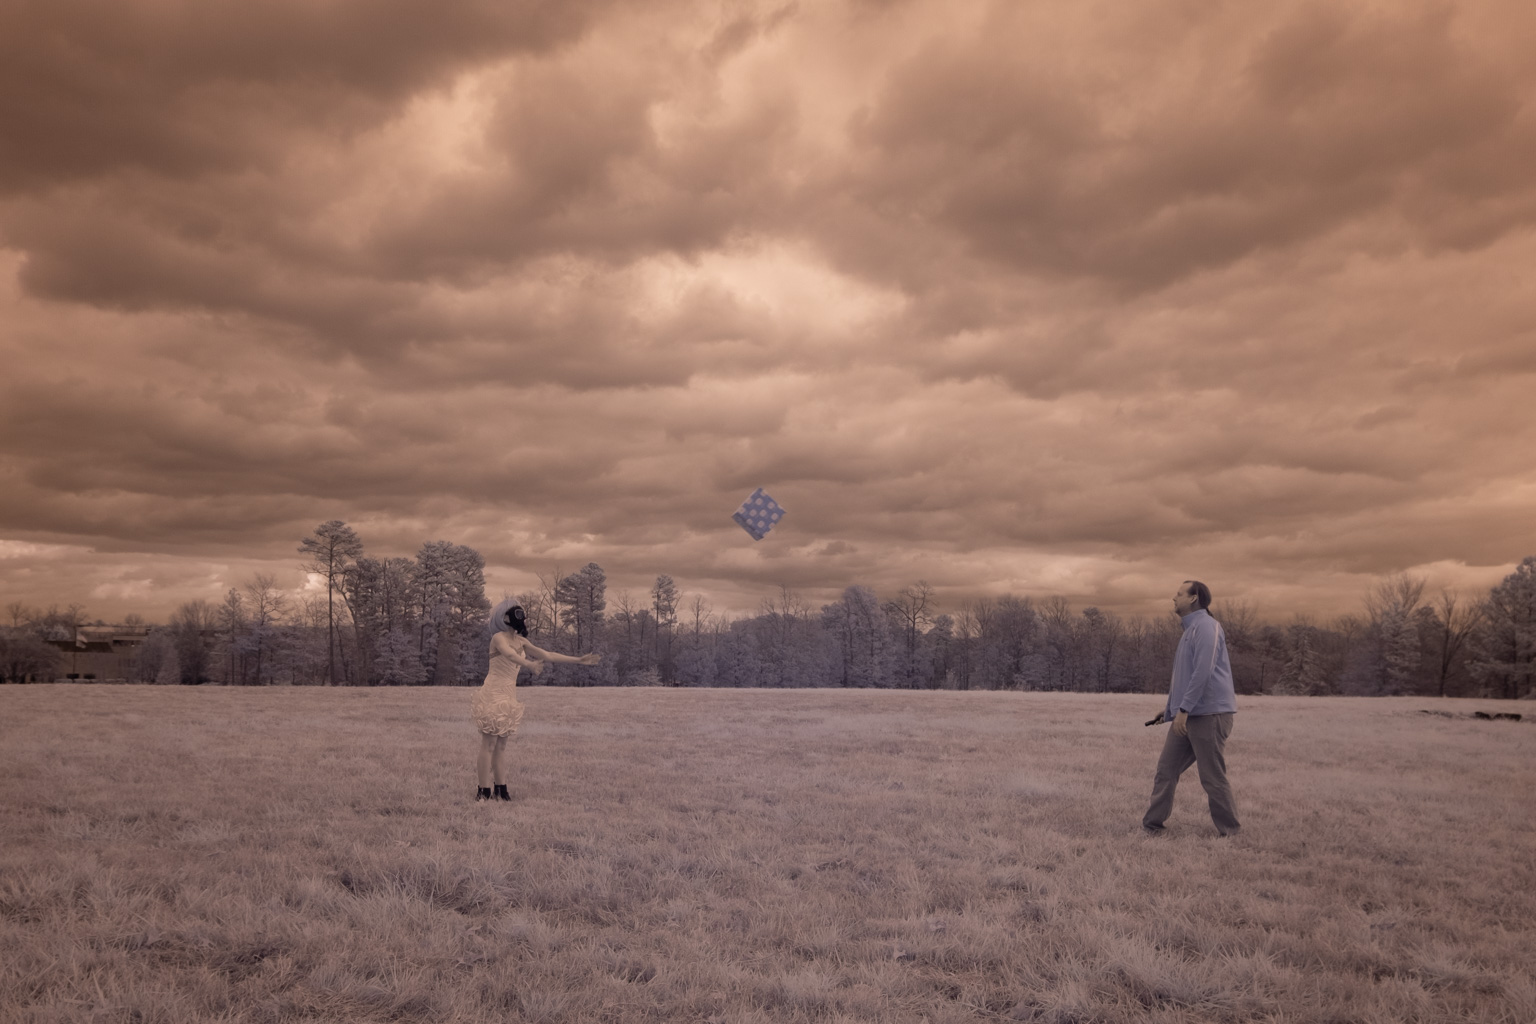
1185	600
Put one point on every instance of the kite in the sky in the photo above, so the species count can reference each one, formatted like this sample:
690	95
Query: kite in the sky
758	514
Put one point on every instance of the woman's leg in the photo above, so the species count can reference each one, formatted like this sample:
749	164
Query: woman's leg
487	753
496	760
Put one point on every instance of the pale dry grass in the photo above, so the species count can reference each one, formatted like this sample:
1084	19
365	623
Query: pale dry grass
177	854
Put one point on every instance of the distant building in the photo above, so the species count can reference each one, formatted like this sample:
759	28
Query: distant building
99	654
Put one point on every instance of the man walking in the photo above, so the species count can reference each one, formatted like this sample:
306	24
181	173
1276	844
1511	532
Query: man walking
1201	703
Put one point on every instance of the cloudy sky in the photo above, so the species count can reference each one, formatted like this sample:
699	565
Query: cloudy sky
1052	298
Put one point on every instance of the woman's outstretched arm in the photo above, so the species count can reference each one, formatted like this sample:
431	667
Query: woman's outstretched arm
585	659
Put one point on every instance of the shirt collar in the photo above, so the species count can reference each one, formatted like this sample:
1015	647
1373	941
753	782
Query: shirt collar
1188	620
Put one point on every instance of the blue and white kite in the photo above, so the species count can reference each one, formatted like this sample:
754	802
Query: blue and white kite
758	514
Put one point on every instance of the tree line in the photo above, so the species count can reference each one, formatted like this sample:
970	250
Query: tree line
402	621
381	621
1404	641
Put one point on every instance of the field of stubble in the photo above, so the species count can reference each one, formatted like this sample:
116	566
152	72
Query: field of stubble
176	855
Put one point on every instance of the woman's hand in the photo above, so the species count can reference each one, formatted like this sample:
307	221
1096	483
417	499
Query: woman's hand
589	659
536	669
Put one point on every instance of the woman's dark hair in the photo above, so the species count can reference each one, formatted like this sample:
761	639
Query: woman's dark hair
1201	591
516	620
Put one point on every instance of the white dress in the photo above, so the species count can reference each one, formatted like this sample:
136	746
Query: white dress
495	705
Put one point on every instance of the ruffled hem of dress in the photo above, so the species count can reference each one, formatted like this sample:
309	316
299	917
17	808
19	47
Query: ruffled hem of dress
498	719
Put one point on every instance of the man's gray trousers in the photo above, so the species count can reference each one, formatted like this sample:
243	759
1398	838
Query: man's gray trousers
1203	747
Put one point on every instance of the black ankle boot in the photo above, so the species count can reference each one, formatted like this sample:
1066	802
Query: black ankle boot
501	793
483	794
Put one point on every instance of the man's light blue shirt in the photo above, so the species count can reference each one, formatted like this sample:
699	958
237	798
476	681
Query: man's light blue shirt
1202	675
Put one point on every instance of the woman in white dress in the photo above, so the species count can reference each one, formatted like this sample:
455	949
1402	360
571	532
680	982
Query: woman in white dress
495	706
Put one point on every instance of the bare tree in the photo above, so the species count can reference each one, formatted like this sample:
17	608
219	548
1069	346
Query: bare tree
192	624
584	593
1102	635
157	655
1002	645
696	656
232	614
265	605
910	610
1302	673
305	661
698	615
540	612
24	654
1063	644
664	600
624	614
859	628
57	624
786	640
549	586
1140	654
1239	621
966	635
1454	621
628	624
330	551
1391	605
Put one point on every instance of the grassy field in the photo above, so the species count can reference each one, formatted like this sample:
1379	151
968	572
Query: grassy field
177	854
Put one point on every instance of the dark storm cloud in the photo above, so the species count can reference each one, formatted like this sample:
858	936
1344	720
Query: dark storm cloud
1143	171
579	168
1058	300
189	88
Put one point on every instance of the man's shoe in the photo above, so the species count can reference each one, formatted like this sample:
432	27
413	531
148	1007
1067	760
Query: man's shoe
1155	833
